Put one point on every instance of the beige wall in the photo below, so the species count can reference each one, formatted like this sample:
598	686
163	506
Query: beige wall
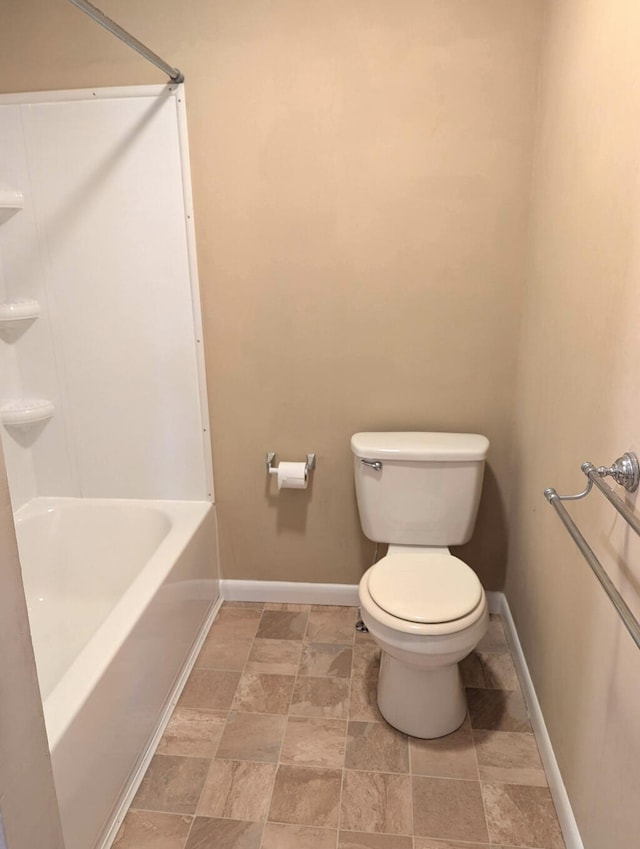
361	175
28	804
578	401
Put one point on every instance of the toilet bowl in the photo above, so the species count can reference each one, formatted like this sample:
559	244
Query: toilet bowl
419	492
427	611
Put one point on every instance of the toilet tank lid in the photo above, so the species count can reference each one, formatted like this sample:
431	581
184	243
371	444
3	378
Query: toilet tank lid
420	446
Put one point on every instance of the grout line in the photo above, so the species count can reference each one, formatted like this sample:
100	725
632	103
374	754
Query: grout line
413	818
343	772
351	676
475	757
295	680
162	811
411	805
475	754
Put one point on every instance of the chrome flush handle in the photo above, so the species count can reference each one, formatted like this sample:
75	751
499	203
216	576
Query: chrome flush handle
373	464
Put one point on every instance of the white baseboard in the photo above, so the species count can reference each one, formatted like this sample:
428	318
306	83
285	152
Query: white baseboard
498	604
290	592
294	592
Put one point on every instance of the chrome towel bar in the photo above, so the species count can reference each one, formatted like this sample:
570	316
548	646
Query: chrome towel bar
626	472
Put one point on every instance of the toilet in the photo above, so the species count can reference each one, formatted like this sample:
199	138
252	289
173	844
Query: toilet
426	609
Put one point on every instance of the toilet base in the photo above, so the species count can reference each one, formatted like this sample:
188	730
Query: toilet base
421	702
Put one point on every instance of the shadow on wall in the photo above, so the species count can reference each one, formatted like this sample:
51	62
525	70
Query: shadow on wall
486	552
293	507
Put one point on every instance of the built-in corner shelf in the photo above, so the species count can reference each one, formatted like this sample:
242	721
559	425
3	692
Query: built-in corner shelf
11	201
16	317
25	411
19	310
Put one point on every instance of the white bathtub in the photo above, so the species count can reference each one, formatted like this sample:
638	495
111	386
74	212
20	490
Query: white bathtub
119	593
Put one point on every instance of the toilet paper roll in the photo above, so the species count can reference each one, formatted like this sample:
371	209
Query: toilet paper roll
292	476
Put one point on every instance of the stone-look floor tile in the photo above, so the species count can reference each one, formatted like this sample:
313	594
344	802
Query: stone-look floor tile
428	843
207	833
331	625
497	710
376	806
521	815
172	784
282	625
151	830
320	697
279	836
509	758
366	658
238	790
313	741
285	605
263	693
209	689
224	652
306	796
194	733
238	623
452	756
330	660
376	747
449	809
252	737
494	640
376	801
363	703
364	840
274	657
491	671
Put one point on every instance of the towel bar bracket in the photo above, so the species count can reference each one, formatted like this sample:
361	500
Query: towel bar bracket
625	471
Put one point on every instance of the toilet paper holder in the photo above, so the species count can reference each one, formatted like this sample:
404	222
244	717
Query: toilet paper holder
309	465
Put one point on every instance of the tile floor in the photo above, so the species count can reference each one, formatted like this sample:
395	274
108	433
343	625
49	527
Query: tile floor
276	743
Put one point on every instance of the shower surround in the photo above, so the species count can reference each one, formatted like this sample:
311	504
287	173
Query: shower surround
104	426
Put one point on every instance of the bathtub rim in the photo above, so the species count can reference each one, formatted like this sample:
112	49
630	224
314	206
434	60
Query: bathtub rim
69	694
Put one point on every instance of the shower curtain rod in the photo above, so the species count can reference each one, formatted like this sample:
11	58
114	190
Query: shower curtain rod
175	75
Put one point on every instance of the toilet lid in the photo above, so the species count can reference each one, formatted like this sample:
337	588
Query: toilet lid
428	588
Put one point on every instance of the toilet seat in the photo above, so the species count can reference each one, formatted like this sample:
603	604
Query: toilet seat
426	588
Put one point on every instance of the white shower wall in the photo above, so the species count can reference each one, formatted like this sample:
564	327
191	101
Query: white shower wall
105	244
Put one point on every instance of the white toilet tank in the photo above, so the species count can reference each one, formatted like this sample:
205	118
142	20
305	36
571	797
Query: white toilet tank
426	490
